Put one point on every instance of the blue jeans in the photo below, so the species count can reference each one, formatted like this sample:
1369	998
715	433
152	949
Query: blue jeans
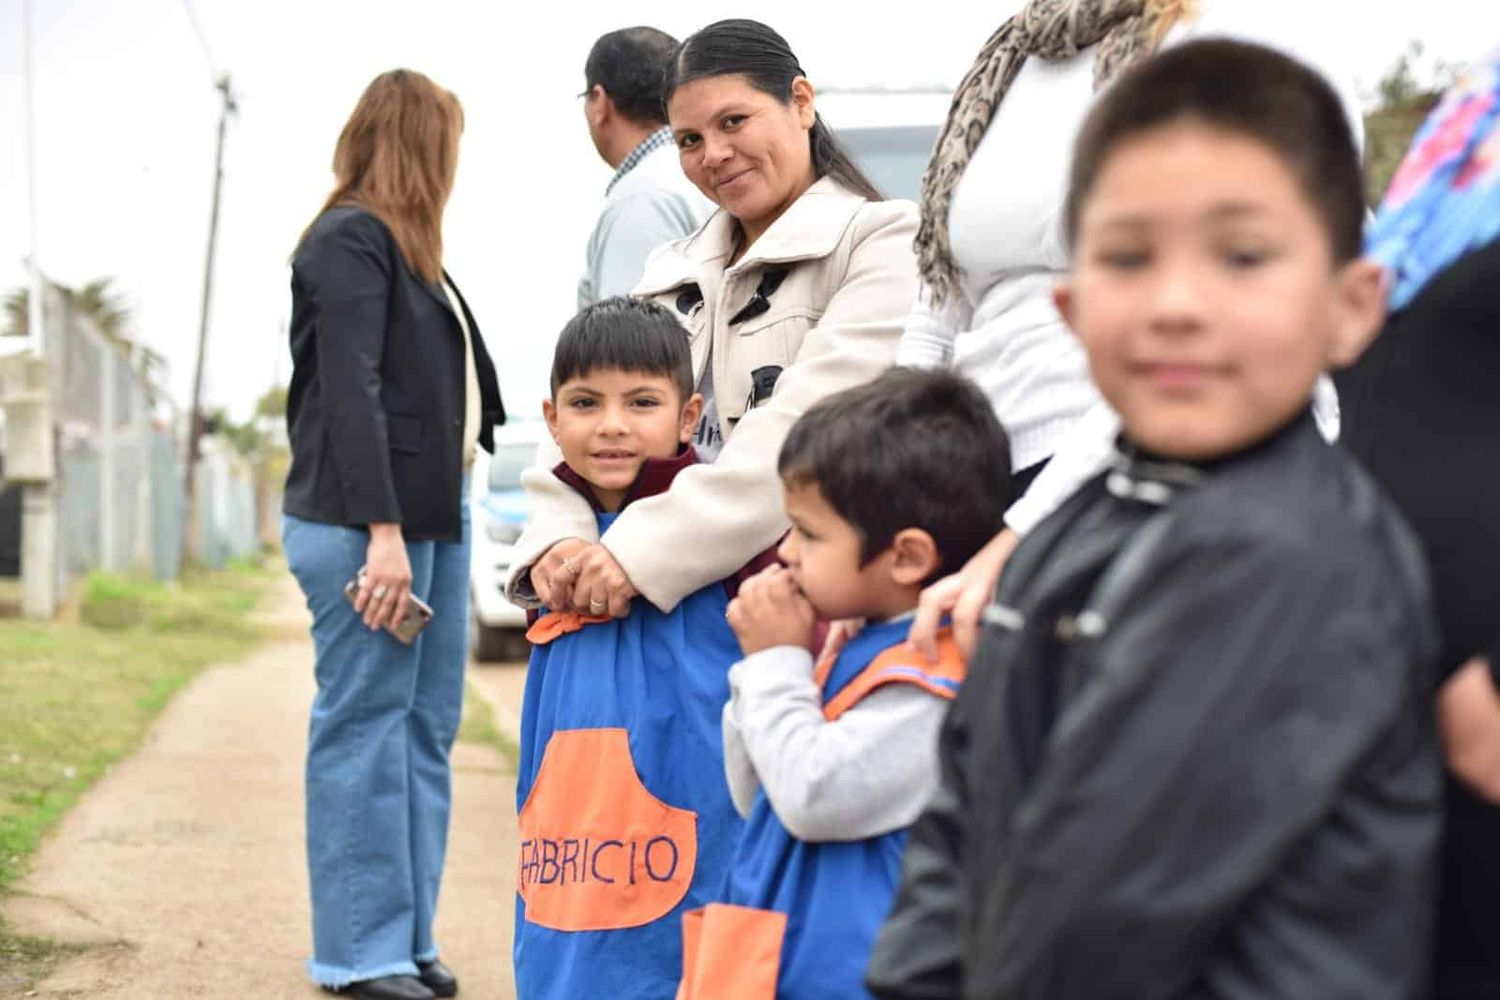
378	778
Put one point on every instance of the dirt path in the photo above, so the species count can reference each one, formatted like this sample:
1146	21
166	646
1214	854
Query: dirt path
185	866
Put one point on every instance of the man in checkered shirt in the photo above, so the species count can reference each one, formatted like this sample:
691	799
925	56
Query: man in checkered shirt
649	201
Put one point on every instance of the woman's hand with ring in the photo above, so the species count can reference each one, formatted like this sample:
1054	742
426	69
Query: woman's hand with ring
385	581
602	588
554	575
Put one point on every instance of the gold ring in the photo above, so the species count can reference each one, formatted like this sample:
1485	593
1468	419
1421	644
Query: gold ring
379	591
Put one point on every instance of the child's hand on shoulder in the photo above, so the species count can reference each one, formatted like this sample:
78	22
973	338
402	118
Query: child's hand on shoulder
770	611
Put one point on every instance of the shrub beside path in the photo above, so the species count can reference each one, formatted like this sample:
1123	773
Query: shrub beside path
183	872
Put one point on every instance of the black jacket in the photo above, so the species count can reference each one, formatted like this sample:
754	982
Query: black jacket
375	410
1421	411
1194	756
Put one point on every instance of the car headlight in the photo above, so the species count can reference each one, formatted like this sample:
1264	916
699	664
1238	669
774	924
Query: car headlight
502	532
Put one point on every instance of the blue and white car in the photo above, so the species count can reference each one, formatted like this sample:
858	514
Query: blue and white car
498	513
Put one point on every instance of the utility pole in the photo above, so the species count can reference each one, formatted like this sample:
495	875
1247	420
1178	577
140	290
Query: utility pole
195	416
30	429
34	298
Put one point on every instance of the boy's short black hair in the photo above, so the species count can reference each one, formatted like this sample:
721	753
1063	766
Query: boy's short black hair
624	334
631	64
912	449
1247	90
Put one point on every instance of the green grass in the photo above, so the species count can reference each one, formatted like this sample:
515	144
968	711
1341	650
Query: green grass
478	726
75	698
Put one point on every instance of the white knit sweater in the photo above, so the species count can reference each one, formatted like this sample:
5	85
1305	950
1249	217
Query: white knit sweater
1006	233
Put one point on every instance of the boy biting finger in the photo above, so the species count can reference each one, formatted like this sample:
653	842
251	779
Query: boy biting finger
769	612
830	762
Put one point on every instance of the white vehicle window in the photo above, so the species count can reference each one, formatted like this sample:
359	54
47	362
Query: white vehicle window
893	157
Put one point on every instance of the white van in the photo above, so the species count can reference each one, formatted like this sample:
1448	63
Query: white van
497	514
890	133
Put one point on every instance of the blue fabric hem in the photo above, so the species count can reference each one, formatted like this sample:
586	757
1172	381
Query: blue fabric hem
426	956
338	976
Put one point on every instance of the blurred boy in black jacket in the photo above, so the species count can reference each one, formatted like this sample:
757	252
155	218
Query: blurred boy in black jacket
1195	755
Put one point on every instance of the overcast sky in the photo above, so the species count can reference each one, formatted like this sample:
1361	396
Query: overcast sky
126	114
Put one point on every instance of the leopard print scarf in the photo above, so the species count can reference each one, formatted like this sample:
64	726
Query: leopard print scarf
1124	30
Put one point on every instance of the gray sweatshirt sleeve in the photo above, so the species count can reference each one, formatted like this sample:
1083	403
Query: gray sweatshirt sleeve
627	231
869	772
738	769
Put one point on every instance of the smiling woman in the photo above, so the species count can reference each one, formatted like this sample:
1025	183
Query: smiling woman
795	289
750	136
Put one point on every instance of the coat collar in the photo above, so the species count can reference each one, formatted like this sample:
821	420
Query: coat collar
809	229
1137	474
655	477
436	291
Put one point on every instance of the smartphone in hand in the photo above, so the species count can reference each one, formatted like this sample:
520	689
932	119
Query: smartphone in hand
414	617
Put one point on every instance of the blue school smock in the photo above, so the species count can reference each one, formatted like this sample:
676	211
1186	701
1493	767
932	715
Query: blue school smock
797	920
625	816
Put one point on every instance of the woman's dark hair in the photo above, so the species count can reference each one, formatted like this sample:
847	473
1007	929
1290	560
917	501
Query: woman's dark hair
628	64
624	334
751	49
1245	90
912	449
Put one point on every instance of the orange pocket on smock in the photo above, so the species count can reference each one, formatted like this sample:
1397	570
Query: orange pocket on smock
556	624
731	953
599	851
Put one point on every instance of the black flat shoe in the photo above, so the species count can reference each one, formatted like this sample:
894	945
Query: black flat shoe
385	988
438	978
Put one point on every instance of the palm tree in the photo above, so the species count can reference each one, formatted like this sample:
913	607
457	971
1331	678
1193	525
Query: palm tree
17	320
105	307
110	315
96	300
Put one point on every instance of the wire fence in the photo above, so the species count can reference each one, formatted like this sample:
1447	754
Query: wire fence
120	461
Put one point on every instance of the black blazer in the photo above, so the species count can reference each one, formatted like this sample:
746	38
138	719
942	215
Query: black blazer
375	410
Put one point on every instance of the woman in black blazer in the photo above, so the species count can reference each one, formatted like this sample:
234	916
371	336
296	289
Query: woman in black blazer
392	390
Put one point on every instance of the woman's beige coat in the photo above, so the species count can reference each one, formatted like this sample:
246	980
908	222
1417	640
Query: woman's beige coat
834	322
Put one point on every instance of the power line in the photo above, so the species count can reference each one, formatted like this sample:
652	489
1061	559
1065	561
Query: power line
35	325
208	53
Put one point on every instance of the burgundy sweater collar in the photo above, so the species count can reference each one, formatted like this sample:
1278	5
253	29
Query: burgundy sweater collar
655	477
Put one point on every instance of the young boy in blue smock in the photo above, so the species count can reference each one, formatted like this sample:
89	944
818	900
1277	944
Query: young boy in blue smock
625	819
888	486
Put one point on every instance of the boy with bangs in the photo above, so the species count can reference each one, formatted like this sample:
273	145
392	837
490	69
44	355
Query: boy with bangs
1195	756
625	820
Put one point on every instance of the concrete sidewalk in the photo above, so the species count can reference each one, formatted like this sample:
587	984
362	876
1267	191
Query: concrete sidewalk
184	866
